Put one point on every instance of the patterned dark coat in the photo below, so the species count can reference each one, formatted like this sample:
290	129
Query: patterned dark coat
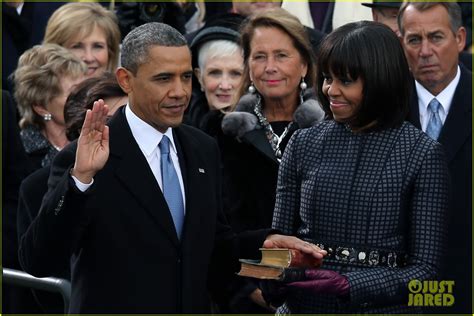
384	190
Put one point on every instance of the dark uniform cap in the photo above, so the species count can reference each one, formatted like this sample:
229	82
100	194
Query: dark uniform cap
383	4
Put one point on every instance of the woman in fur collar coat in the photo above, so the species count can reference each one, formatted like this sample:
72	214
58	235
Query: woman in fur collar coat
279	69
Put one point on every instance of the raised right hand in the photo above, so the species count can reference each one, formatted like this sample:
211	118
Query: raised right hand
93	143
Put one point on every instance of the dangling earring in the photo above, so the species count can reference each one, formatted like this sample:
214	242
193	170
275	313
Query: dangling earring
47	117
252	88
303	84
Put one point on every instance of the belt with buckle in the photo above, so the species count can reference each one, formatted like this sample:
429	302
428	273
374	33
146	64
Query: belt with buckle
367	257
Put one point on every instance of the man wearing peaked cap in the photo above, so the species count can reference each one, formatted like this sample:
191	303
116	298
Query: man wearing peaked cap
385	12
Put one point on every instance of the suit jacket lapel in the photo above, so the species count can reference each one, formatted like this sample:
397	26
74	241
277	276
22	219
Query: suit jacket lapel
414	111
132	169
193	168
181	158
457	127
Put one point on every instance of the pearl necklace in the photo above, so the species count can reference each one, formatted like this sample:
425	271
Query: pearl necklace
273	138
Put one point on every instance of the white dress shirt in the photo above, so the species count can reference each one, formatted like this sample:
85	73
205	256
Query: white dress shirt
19	8
148	139
445	98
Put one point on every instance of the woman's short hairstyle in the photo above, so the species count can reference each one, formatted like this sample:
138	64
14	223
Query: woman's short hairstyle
38	79
372	52
82	98
286	22
80	18
216	48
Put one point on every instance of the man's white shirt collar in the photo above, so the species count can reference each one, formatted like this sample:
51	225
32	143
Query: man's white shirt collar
445	97
146	135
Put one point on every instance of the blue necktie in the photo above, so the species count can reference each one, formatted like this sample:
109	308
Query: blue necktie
171	187
434	124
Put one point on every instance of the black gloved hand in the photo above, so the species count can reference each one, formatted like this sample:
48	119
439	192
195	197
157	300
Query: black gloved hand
320	281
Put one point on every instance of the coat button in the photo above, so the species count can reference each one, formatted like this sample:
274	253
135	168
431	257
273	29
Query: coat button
59	206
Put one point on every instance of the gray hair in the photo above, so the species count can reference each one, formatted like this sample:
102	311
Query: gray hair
216	48
138	42
454	13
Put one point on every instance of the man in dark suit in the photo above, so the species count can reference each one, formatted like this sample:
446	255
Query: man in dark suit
433	36
387	12
137	242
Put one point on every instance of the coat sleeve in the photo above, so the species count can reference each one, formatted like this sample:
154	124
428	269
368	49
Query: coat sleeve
54	234
427	215
230	246
245	244
31	192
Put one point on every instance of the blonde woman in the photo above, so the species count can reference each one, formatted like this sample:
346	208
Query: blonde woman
43	79
88	30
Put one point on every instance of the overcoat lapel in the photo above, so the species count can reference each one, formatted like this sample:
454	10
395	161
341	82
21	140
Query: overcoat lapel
257	139
414	112
193	170
457	127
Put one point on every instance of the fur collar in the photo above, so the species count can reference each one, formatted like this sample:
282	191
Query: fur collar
244	120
